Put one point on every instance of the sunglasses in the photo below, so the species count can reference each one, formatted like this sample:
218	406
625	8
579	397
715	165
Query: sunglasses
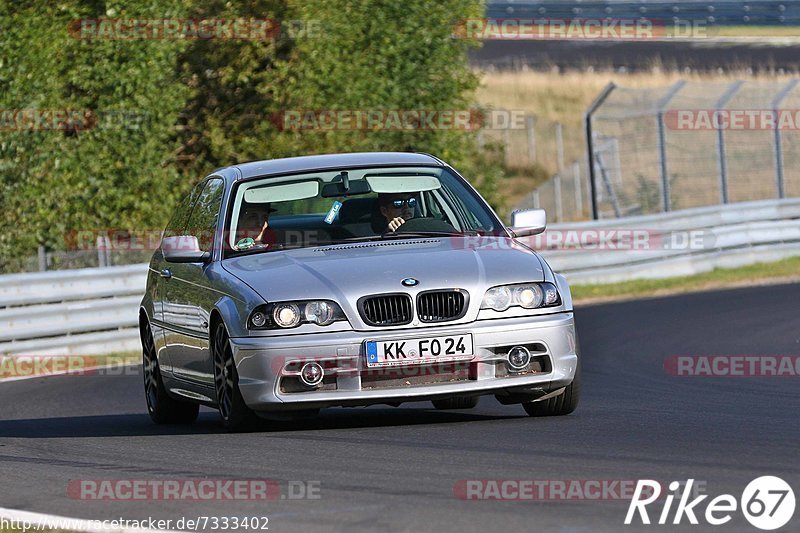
410	202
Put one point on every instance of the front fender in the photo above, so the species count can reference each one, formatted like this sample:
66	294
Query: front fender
234	312
563	290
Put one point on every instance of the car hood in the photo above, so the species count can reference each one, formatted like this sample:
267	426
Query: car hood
347	272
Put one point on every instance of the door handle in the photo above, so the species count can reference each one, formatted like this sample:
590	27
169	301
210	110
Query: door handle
166	273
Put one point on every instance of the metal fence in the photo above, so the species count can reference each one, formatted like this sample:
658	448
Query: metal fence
693	144
686	145
103	254
566	196
753	12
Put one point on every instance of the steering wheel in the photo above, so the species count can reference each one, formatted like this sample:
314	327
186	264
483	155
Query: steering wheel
425	224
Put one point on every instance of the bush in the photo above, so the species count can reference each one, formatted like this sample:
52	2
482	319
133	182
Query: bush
166	112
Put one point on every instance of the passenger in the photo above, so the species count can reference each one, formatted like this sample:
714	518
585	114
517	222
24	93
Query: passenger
253	226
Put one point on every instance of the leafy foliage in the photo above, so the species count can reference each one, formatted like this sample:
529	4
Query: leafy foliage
161	113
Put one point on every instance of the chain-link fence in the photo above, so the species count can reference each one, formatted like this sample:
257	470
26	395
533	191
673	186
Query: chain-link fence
526	140
686	145
102	254
565	196
693	144
531	149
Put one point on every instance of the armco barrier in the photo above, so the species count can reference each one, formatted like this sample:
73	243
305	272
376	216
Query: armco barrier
86	311
733	235
94	310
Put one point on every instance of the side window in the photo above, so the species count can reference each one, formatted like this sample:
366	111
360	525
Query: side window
203	220
177	225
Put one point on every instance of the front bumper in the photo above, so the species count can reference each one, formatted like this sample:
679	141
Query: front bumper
267	367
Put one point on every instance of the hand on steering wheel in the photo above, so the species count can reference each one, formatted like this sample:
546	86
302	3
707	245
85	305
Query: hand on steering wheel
396	223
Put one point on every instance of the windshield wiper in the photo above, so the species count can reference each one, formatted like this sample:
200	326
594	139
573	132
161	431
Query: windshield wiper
467	233
404	234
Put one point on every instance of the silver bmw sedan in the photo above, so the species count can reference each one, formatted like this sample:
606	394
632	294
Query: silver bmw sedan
289	285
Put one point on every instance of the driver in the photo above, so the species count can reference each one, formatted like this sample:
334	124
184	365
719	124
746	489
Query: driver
397	209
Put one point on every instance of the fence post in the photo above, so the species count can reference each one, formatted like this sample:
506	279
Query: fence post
560	147
776	102
666	194
723	164
590	143
557	198
42	252
609	189
536	202
103	244
107	241
530	122
507	142
576	178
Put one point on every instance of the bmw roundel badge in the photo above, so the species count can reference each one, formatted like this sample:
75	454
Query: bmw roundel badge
410	282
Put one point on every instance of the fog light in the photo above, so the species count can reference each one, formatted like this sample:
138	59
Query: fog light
518	357
311	374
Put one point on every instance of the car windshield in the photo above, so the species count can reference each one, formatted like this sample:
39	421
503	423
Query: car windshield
339	206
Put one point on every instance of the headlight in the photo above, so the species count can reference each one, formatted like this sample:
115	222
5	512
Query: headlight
320	313
286	315
283	315
527	295
497	298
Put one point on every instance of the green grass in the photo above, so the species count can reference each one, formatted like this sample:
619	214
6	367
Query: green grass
759	273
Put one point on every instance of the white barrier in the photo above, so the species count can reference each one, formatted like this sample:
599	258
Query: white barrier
86	311
94	310
727	236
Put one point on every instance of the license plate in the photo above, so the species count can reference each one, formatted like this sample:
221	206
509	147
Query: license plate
415	351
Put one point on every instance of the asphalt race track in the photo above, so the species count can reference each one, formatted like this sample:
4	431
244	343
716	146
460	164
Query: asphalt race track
395	469
701	55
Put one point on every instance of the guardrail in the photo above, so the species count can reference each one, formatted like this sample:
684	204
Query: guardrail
94	310
86	311
728	236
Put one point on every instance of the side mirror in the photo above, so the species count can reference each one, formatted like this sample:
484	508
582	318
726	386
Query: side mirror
183	249
528	222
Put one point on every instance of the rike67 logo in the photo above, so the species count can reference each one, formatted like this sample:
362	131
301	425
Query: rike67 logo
767	503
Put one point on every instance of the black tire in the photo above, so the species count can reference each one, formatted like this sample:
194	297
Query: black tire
460	402
163	409
563	404
236	416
